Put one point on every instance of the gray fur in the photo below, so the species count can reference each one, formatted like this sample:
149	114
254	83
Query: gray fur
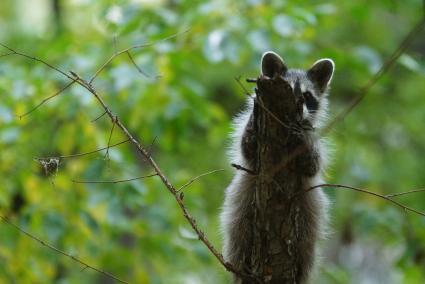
237	208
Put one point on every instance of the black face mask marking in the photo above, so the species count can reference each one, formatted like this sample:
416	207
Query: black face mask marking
311	102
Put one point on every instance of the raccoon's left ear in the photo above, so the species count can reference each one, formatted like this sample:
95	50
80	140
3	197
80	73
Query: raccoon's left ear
321	73
272	64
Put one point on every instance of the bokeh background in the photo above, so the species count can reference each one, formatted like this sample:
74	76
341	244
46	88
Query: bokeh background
135	230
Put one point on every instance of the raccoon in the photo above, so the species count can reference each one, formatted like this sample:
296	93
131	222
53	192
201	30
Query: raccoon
237	211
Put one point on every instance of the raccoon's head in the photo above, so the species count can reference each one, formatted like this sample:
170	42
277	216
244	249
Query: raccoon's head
312	84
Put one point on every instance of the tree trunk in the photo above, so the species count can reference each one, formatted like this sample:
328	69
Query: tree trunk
283	232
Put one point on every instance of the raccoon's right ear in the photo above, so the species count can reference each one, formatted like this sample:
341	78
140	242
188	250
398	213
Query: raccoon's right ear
321	73
272	64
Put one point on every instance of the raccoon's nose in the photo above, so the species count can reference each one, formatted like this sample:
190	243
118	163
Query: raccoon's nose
297	89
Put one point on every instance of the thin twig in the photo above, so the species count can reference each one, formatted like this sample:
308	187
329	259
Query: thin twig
114	181
86	265
110	137
136	66
414	32
405	193
38	60
178	197
246	92
152	144
128	49
47	99
99	117
7	54
362	93
164	180
197	177
82	154
151	147
328	185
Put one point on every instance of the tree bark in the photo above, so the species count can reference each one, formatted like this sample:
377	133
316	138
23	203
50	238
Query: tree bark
282	244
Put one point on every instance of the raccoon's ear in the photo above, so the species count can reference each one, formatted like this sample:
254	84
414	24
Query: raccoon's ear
321	73
272	64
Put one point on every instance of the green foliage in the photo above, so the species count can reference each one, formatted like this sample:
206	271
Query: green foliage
135	230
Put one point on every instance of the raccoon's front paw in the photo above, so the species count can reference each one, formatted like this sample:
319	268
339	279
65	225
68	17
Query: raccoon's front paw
309	163
306	125
249	146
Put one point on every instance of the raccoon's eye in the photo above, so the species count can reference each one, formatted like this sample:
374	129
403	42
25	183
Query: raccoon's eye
311	102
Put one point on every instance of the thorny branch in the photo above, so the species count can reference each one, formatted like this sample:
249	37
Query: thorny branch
178	197
162	176
85	265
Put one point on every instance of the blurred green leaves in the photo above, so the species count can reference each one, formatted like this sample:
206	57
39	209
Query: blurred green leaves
135	230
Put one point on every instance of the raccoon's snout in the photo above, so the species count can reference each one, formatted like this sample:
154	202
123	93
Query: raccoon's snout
298	93
297	89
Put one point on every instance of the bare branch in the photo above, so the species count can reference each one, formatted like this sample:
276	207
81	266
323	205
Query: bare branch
406	193
328	185
38	60
99	117
82	154
116	54
362	93
47	99
246	92
152	144
136	66
114	181
197	177
414	32
177	196
163	178
85	265
110	137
